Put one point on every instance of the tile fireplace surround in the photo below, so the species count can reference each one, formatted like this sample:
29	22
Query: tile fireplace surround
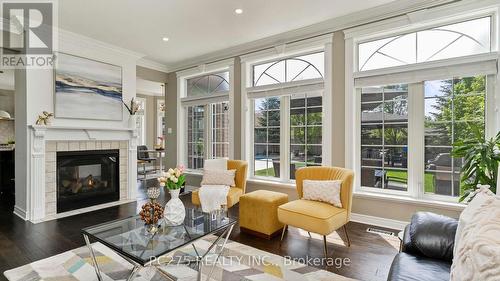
51	149
46	141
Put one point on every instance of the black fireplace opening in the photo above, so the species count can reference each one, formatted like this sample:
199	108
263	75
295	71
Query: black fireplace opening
87	178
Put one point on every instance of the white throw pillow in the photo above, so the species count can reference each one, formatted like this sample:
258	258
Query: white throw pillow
324	191
477	248
215	164
468	214
218	177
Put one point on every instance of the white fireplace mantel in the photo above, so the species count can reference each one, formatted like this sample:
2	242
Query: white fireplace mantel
36	192
84	133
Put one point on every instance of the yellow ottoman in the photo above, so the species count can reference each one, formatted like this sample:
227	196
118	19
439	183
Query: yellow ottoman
259	213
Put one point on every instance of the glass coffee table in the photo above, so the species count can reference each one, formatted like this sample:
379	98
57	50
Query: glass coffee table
130	239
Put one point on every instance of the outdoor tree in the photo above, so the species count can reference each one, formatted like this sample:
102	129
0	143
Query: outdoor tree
460	106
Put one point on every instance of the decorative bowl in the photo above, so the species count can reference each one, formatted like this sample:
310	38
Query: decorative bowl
153	192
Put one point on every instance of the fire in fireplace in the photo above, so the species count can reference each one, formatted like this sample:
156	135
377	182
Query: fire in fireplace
87	178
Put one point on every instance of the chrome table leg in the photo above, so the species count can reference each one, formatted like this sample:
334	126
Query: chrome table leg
94	260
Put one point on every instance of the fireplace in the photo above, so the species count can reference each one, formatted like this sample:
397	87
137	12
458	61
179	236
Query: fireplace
87	178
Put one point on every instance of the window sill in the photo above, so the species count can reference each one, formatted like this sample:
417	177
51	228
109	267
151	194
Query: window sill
194	172
271	183
374	196
413	201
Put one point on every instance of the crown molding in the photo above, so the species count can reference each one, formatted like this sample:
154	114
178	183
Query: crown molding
70	38
381	12
444	14
206	68
147	63
285	50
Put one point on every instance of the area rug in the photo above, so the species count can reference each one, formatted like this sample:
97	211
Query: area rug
238	262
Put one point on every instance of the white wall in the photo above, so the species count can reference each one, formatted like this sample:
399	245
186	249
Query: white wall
35	93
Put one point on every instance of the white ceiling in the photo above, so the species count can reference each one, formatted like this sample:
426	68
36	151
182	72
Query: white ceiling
195	27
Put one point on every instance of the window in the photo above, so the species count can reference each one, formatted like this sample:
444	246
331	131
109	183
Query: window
206	106
449	41
267	137
286	113
452	108
140	121
298	68
302	141
220	130
208	84
196	136
217	135
384	137
160	119
306	131
411	111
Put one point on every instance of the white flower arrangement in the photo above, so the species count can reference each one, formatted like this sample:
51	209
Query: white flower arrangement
173	178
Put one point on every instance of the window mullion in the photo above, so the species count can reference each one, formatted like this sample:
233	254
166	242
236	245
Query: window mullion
492	126
208	131
416	130
285	137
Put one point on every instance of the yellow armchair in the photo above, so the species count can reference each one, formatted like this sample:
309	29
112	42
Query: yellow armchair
315	216
240	180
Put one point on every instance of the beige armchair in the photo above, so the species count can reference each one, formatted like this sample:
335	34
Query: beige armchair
319	217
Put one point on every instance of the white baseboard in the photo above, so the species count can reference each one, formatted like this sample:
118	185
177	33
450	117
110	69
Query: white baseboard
378	221
20	212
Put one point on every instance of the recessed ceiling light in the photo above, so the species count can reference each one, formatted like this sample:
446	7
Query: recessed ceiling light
238	11
165	39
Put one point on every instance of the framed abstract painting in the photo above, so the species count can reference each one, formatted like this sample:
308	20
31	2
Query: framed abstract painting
87	89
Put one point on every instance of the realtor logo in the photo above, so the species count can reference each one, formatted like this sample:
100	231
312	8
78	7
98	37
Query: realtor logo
28	34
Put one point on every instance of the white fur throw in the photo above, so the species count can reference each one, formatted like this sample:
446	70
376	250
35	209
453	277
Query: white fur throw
324	191
477	245
212	197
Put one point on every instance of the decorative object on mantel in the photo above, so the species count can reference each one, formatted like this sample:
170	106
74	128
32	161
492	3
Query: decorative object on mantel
481	157
132	109
87	89
44	119
173	179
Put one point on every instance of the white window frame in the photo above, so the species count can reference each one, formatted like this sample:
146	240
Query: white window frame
142	138
284	90
415	22
183	101
159	118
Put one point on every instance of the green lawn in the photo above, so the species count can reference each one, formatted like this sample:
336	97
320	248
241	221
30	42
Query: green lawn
402	176
265	172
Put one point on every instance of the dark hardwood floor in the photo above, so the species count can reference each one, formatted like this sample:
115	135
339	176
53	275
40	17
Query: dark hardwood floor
22	242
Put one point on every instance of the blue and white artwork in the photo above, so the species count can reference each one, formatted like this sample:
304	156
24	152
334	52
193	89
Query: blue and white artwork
87	89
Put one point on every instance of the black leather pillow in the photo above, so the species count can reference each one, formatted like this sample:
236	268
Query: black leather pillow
433	235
